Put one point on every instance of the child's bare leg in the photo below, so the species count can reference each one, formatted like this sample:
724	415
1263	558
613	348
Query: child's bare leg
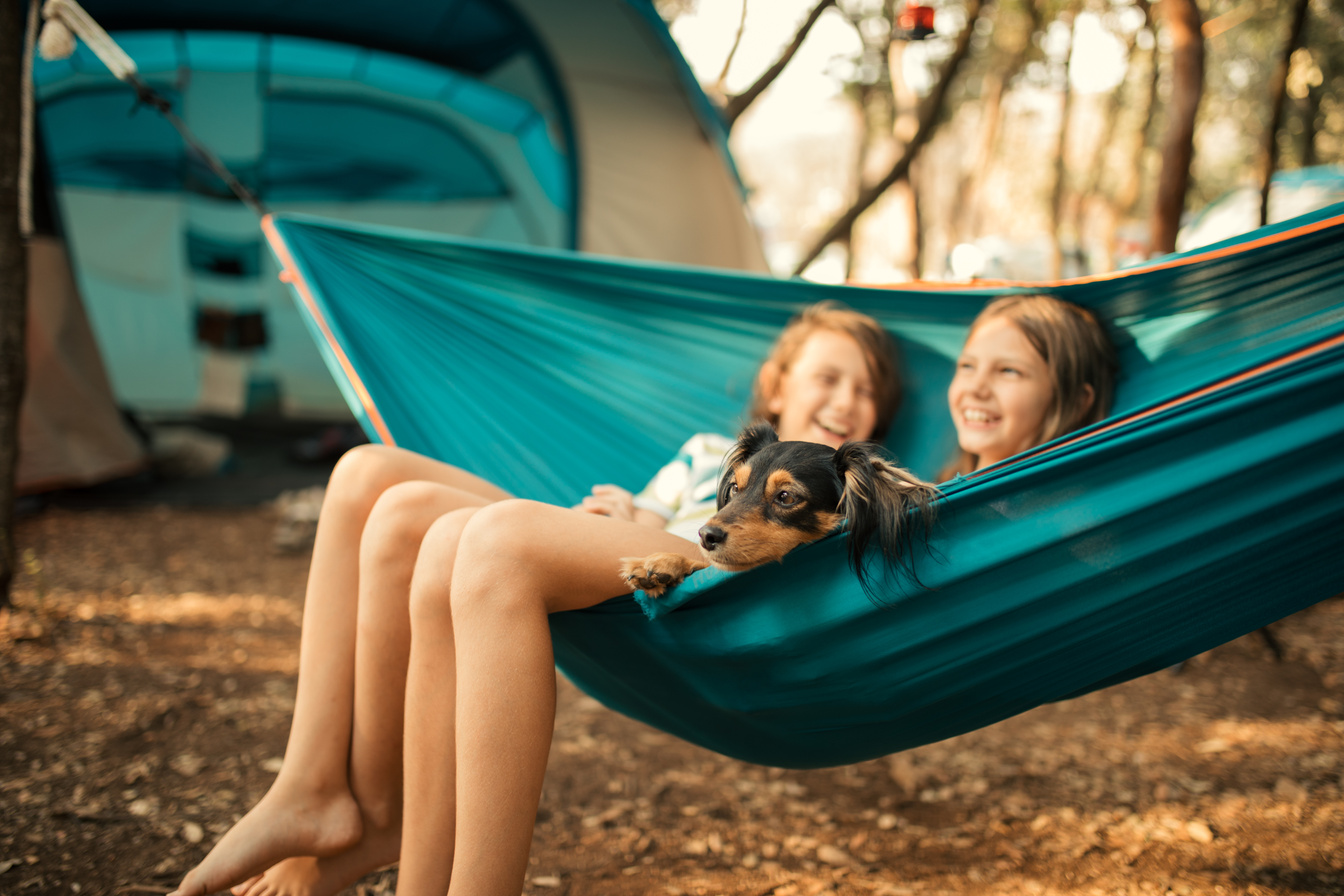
516	562
309	809
380	687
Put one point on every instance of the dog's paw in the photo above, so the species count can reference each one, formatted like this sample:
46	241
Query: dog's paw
656	573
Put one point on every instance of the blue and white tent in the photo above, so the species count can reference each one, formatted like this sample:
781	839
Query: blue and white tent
557	125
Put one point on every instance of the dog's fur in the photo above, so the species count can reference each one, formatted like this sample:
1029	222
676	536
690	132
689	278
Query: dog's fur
774	496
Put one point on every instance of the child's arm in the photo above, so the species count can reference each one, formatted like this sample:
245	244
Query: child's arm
616	502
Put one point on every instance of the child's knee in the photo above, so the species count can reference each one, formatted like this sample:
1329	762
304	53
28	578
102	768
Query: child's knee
495	537
363	473
401	516
502	564
435	562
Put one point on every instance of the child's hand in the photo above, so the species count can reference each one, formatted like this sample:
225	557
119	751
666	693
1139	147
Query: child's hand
609	500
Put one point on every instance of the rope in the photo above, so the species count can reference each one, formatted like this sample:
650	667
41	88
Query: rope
66	19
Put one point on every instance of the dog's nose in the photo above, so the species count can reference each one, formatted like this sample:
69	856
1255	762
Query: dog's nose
711	537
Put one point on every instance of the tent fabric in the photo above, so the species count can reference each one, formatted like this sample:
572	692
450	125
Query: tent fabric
70	432
616	96
571	125
307	126
1207	506
1291	193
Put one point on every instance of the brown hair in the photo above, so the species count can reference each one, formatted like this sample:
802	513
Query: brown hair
879	351
1077	352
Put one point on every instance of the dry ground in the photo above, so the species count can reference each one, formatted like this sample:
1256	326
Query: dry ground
148	676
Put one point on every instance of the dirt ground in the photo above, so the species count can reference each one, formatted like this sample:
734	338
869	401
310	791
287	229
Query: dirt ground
148	673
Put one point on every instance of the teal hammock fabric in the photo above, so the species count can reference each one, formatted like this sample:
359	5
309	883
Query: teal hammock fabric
1211	503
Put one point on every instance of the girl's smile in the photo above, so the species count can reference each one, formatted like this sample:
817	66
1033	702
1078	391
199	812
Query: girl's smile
1000	393
826	394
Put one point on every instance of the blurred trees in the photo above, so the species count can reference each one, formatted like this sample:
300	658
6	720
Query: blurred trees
1095	125
1278	85
927	116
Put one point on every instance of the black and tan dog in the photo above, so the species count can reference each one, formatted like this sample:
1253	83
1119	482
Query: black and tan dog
774	496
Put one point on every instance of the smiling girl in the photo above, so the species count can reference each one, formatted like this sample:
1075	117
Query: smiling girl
1033	368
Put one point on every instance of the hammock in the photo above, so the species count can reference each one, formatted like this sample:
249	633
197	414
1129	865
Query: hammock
1208	505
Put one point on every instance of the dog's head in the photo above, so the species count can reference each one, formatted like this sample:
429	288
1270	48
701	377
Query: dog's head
774	496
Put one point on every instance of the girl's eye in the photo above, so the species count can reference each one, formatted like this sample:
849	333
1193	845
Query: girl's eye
785	499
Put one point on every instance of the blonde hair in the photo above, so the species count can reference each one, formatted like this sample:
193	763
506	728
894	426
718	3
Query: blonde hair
879	351
1078	353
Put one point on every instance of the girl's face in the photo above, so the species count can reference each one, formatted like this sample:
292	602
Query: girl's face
826	395
1000	393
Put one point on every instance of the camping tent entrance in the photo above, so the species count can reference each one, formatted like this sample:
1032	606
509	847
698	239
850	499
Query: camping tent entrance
184	300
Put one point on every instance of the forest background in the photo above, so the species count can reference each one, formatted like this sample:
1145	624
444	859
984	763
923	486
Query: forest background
1041	139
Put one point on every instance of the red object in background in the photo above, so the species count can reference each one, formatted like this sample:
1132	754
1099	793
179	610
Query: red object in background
916	20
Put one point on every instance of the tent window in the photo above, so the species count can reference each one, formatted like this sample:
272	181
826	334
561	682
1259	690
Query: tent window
230	330
342	148
223	257
97	138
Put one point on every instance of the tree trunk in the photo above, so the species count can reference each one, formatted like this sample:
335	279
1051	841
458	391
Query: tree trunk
904	127
1278	88
1187	87
1056	260
1311	113
13	281
1091	196
969	210
1129	189
915	217
928	121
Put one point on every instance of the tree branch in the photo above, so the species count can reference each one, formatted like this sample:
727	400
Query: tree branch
738	104
732	52
928	118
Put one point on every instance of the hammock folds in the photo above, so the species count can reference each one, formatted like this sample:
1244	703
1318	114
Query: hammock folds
1209	504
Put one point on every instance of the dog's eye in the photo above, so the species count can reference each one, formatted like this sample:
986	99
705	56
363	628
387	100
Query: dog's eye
732	489
786	499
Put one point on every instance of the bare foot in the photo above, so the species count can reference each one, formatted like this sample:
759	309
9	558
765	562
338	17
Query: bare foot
310	876
283	824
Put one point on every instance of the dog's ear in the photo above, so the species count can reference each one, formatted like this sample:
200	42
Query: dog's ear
752	440
878	499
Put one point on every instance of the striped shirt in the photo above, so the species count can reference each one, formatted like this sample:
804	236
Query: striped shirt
685	492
